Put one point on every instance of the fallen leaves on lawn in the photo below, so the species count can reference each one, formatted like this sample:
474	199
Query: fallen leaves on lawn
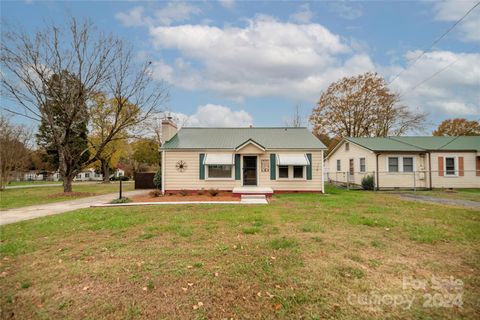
198	305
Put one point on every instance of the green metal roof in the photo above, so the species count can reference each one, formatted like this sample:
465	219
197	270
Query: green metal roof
419	143
231	138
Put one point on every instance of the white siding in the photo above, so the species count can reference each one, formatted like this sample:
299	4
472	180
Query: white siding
189	179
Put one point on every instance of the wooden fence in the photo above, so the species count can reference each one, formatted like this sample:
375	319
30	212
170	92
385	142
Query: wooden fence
144	180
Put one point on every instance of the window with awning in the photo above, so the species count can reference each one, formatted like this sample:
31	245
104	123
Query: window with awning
219	165
292	166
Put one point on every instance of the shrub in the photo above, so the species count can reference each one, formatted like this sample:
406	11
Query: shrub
157	179
368	183
201	192
213	192
121	200
155	193
183	192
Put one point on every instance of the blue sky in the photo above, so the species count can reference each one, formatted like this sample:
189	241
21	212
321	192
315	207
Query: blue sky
236	63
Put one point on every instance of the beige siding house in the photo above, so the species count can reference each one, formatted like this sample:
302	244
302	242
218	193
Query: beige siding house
242	160
407	162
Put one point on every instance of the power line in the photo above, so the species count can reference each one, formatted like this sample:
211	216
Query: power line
435	42
433	75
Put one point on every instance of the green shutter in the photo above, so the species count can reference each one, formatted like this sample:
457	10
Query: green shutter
202	167
273	166
309	167
237	167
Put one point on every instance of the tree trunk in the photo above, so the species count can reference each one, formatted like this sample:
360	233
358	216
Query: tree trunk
67	183
66	171
105	171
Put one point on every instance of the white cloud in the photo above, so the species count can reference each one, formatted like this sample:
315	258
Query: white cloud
212	115
170	13
266	57
346	11
175	11
303	15
229	4
132	18
453	92
453	10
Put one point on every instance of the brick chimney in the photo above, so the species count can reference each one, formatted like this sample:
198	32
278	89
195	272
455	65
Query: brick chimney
169	129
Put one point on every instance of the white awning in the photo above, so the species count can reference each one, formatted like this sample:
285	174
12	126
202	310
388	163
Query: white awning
219	158
293	160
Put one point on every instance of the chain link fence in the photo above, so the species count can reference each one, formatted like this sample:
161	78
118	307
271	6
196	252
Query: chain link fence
414	180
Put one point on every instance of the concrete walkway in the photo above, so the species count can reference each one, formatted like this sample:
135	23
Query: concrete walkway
451	202
42	210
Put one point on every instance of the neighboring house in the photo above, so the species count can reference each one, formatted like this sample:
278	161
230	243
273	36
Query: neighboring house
118	173
241	160
407	162
33	176
88	175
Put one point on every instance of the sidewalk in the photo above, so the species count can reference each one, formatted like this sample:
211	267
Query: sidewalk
42	210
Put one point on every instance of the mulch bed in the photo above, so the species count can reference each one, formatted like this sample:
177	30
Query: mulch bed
221	196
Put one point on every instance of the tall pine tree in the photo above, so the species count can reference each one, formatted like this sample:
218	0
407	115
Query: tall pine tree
63	128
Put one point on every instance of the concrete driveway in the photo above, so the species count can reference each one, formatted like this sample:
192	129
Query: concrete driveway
42	210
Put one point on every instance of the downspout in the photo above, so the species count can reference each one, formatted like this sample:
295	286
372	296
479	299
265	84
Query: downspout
378	177
430	169
323	174
163	172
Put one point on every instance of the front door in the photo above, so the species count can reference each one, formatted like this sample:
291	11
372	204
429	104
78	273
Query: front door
250	170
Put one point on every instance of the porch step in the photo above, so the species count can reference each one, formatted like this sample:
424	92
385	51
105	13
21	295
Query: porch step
252	190
253	198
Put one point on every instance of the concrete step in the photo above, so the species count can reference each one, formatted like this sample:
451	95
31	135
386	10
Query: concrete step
252	196
253	199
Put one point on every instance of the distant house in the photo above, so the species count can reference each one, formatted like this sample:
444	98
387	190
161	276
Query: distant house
241	160
88	175
407	162
33	176
118	173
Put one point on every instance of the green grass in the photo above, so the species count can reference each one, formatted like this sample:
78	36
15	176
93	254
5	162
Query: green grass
299	257
15	198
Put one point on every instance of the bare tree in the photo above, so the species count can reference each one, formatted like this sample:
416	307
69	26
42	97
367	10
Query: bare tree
363	106
100	63
14	149
297	120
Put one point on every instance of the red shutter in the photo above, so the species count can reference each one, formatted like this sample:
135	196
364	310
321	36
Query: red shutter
460	167
478	166
440	166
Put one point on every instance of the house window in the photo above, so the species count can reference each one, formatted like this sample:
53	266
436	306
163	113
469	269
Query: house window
339	165
283	172
351	167
87	175
219	171
362	165
79	176
450	169
347	146
407	164
392	164
298	172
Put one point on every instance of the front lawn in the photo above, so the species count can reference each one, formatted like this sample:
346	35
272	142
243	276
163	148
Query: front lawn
15	198
305	256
